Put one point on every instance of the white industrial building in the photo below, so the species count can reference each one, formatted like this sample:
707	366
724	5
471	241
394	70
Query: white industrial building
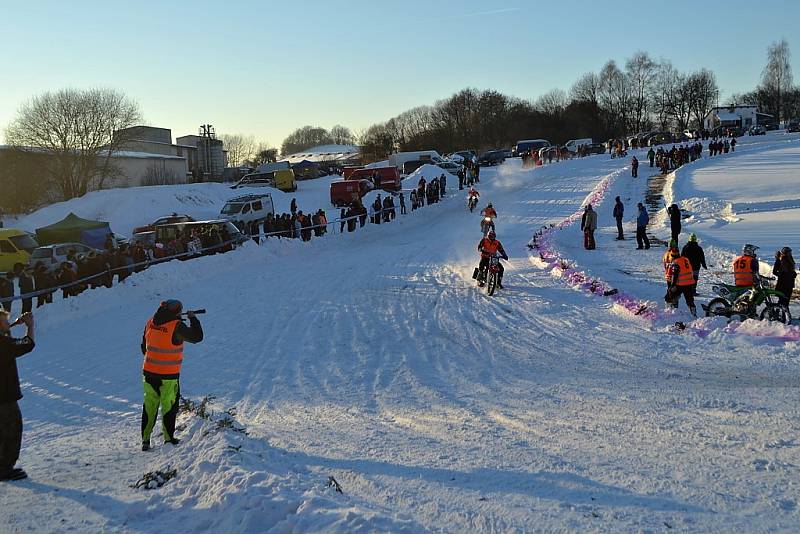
735	117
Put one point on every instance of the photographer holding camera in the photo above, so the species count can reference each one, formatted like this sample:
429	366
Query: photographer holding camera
10	417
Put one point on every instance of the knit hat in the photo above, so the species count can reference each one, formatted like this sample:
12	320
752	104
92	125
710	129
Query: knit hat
693	238
673	243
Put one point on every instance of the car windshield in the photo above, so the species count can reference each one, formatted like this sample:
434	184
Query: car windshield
232	208
24	242
40	253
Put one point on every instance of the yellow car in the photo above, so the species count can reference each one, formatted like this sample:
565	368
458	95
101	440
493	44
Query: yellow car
15	247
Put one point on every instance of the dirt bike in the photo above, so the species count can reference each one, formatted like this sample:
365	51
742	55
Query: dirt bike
472	202
490	275
741	303
487	224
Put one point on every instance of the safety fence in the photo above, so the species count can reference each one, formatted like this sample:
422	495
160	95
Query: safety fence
217	248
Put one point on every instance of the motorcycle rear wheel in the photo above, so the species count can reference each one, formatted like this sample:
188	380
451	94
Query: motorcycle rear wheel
776	312
718	307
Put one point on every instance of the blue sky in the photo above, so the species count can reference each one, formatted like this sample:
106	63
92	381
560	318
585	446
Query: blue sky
265	68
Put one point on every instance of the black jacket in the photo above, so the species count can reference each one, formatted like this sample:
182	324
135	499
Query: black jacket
11	349
674	216
694	253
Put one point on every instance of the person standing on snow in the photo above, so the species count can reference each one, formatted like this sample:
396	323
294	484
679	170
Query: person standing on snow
786	272
619	211
651	155
694	253
733	145
642	220
670	255
402	204
293	206
674	213
634	167
589	225
745	267
162	347
680	281
10	393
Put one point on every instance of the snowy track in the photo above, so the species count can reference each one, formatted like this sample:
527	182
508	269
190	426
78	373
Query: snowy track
375	359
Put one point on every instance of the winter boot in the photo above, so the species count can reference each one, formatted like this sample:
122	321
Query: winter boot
145	446
173	441
693	309
13	474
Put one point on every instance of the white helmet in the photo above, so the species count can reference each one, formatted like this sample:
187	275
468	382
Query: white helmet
749	250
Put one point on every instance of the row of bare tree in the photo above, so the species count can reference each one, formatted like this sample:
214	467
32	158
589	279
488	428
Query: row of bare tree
646	95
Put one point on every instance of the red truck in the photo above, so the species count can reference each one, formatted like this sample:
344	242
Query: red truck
349	192
388	178
348	171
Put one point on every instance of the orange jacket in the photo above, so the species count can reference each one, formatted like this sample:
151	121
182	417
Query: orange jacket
161	357
489	212
680	272
744	271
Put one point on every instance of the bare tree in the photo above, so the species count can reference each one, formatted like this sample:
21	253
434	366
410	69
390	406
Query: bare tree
263	154
305	137
341	135
641	72
552	103
241	148
80	129
614	97
703	94
776	78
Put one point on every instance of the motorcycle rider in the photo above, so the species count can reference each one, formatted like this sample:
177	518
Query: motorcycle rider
488	247
745	267
472	198
489	211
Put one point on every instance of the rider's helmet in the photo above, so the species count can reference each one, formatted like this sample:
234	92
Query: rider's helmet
786	250
491	235
749	250
490	205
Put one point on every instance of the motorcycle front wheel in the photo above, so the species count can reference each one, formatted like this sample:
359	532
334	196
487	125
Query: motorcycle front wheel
718	307
491	284
776	312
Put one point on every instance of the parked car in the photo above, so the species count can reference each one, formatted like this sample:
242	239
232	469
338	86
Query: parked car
248	209
169	219
16	246
574	144
349	192
282	179
467	154
452	168
528	145
508	153
169	232
793	126
757	130
52	256
492	157
660	138
388	178
595	148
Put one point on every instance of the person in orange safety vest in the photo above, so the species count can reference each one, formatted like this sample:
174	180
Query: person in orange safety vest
162	347
745	267
680	281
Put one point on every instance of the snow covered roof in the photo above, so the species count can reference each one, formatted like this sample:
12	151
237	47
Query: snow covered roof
142	155
324	153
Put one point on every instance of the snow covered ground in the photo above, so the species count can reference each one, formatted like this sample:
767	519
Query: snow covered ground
373	358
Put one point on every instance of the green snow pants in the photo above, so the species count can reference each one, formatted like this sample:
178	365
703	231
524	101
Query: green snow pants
160	392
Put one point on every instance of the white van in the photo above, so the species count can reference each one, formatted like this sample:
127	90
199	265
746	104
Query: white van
397	160
247	209
574	144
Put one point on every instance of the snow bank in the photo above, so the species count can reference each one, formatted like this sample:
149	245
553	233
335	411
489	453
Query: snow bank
127	208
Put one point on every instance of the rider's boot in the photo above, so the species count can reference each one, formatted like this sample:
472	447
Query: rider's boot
693	309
